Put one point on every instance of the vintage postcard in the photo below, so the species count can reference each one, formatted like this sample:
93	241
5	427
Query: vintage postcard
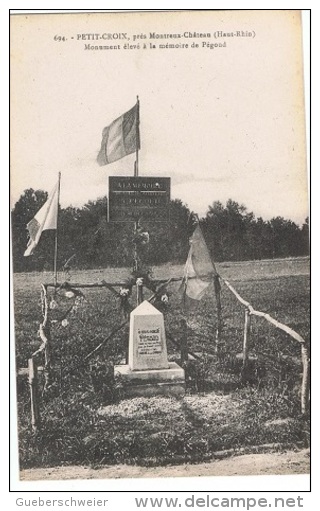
160	245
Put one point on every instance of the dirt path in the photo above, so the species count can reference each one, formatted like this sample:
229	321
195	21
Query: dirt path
290	462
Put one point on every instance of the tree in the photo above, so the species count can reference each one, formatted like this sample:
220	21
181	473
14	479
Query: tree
226	229
261	239
285	237
170	242
214	226
231	232
305	238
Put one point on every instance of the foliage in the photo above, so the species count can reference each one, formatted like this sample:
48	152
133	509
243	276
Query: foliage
232	234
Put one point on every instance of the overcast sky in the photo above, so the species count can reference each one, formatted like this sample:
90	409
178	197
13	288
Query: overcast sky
223	123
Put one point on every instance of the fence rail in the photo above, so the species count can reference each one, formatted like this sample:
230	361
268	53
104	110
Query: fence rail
305	356
45	335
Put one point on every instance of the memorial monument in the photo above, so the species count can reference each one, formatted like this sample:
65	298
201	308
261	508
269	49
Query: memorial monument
148	372
133	199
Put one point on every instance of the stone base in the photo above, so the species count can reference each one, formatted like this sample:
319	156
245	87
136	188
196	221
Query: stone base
152	382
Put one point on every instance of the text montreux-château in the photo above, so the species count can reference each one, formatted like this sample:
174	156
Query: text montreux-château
191	35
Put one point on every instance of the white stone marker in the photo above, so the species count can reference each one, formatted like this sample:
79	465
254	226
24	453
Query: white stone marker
147	339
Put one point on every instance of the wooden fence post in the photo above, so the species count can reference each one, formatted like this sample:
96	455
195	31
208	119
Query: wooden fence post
246	339
217	290
305	379
184	342
45	335
34	394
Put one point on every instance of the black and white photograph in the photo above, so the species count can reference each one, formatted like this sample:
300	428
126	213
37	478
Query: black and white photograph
160	245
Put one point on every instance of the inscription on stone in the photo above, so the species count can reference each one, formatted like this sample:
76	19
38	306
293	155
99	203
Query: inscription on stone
149	341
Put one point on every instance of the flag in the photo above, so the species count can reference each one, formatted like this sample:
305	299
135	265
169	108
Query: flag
45	219
199	268
121	137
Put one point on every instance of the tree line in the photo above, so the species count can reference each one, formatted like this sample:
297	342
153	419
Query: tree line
87	240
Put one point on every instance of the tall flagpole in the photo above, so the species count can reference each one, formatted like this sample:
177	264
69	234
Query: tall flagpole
136	166
56	237
139	285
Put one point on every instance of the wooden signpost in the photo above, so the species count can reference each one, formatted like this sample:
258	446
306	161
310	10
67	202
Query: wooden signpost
135	199
139	198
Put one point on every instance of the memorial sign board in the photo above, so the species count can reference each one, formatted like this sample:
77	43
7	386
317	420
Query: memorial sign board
135	198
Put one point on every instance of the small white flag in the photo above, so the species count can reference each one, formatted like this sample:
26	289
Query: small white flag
45	219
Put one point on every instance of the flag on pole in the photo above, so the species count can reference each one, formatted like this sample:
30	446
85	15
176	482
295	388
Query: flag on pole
199	268
45	219
121	137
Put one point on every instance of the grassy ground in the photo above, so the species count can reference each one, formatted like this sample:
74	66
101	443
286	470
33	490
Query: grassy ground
84	423
241	464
